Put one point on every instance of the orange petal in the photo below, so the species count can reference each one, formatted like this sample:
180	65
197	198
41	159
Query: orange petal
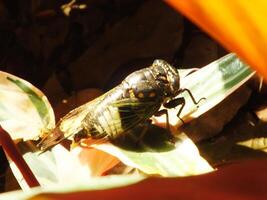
97	161
239	25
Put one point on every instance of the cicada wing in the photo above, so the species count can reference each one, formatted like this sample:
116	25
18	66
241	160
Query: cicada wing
132	112
116	118
70	124
126	114
66	127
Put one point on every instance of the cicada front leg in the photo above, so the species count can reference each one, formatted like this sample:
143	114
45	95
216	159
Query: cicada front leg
181	101
174	103
164	112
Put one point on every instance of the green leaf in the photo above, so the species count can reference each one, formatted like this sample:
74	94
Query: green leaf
36	100
25	111
60	166
213	82
163	158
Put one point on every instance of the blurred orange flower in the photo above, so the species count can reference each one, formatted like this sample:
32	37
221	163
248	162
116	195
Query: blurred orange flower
239	25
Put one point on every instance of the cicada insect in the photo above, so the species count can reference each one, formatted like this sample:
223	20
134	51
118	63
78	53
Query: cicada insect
131	103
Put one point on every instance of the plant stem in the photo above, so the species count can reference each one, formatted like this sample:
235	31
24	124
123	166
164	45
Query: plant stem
13	153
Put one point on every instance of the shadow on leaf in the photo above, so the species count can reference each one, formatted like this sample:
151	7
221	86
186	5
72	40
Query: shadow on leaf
155	139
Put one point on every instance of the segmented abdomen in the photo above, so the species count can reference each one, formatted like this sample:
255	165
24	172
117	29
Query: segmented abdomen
116	113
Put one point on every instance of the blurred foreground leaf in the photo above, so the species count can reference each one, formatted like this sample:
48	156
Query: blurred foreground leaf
238	25
237	181
96	183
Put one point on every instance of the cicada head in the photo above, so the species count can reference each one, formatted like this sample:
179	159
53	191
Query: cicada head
167	76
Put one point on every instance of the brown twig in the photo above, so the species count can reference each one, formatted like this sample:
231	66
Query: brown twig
13	153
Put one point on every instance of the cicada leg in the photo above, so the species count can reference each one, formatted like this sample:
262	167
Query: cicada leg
174	103
139	140
191	96
164	112
132	137
181	101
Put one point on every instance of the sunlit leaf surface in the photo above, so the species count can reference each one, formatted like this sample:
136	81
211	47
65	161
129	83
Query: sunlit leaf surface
239	25
60	166
181	159
259	143
25	111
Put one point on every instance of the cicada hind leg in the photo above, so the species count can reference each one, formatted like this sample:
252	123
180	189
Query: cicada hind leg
133	137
